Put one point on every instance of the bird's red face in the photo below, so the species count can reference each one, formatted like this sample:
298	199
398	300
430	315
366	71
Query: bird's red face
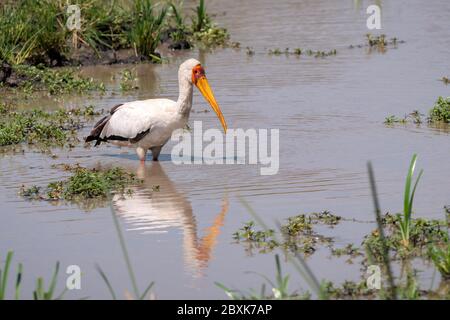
200	81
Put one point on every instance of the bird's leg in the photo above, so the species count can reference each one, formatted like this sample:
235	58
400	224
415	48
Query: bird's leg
142	153
155	152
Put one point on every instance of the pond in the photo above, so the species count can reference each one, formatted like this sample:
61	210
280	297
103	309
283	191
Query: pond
330	114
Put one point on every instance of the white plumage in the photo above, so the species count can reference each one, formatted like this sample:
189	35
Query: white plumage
148	124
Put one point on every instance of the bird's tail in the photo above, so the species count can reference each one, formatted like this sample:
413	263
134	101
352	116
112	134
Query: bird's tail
98	127
97	130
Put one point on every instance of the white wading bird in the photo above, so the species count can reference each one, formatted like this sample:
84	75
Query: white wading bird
148	124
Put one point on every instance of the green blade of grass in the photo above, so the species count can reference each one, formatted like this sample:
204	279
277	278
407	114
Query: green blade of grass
406	200
106	280
385	248
125	252
4	275
144	294
49	294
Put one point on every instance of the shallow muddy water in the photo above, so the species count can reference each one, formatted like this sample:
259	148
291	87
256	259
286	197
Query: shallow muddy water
330	114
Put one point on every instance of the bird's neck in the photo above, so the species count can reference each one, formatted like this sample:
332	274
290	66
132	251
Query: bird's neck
185	97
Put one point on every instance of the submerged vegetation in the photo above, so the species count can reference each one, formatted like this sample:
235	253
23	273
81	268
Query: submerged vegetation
40	128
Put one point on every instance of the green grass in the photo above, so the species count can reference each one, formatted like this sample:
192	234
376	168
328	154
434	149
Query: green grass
39	293
34	31
441	259
83	184
39	128
31	29
408	201
201	20
147	27
54	81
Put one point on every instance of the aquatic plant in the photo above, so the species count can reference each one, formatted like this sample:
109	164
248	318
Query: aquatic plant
405	222
83	184
201	21
297	234
441	259
40	128
180	31
146	29
394	119
249	51
440	112
379	41
349	250
299	51
54	81
348	290
204	31
128	81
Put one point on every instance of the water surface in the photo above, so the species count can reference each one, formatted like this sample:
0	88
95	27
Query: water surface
330	114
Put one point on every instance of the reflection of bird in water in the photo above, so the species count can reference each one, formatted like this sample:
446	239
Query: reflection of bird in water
150	210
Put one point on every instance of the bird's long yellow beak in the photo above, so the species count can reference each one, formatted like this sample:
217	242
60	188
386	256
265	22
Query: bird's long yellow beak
203	85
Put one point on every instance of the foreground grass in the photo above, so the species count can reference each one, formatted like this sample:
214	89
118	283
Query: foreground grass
39	293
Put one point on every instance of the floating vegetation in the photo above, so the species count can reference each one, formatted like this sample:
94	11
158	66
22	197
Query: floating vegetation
348	290
297	234
128	81
349	250
440	112
54	81
41	128
299	52
83	184
249	51
380	42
